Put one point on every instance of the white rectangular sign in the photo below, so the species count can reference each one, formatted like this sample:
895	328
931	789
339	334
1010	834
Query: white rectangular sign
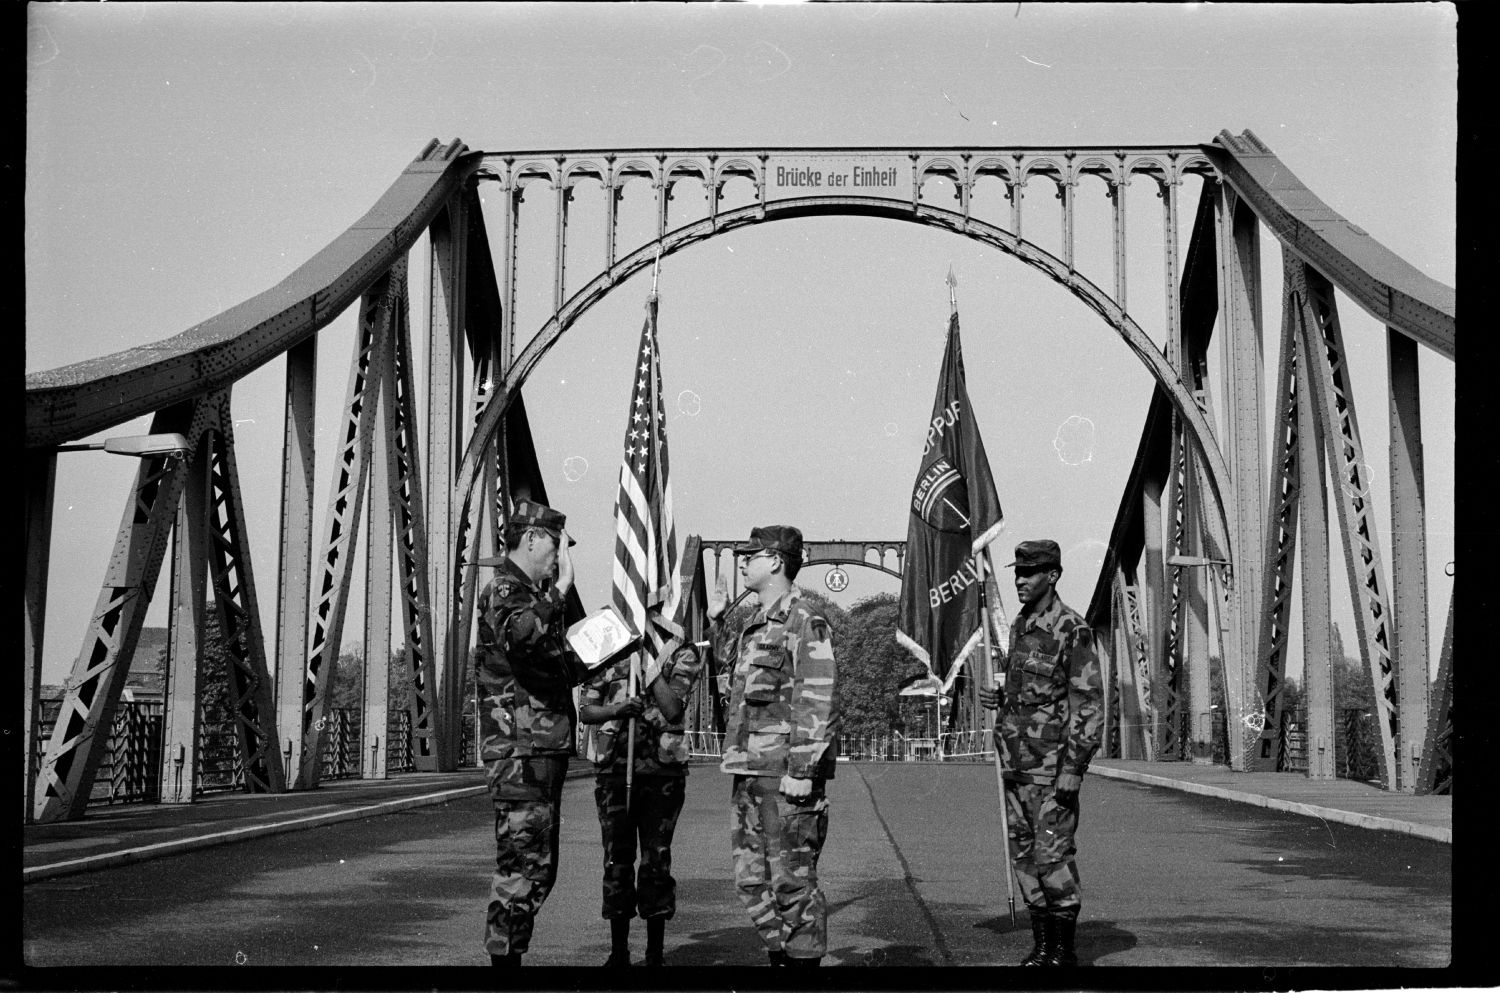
839	175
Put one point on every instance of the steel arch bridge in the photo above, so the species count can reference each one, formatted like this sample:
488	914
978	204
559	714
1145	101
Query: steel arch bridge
1200	494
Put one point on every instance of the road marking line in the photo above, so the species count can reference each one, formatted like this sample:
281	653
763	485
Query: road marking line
142	852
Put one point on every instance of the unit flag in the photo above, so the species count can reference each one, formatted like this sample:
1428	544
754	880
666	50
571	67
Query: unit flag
954	514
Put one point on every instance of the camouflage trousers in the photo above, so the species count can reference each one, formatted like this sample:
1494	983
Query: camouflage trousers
1042	848
776	847
655	802
527	823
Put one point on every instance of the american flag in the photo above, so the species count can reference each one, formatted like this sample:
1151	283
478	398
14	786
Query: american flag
645	568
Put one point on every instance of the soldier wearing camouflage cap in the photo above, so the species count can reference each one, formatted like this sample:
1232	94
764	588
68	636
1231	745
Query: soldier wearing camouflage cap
645	815
1049	726
525	674
780	744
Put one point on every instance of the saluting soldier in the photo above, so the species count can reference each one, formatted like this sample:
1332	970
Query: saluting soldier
1051	718
780	745
649	815
525	673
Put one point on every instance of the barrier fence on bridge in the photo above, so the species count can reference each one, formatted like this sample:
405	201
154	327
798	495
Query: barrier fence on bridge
130	771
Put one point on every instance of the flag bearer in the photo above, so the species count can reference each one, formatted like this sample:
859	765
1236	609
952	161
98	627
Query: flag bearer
655	796
525	674
780	744
1051	716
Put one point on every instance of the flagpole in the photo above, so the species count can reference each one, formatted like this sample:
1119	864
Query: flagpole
635	657
986	567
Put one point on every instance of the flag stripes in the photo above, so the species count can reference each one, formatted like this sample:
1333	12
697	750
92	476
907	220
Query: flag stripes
646	586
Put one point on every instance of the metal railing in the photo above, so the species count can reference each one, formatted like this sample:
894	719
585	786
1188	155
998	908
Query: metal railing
962	746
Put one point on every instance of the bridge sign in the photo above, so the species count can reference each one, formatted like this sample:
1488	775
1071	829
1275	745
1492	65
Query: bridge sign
836	579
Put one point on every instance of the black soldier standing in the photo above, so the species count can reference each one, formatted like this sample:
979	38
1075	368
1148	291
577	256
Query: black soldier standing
1049	729
525	673
655	801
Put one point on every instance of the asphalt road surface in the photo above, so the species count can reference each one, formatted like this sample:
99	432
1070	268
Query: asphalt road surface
912	871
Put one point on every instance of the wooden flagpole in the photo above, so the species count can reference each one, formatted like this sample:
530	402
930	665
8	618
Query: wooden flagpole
986	568
635	658
986	672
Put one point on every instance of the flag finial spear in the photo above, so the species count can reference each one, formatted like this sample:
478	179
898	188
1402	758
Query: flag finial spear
952	282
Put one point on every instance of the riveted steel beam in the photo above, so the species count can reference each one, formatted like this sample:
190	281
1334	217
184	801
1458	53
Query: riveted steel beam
80	736
1333	396
1392	290
294	574
1317	613
1240	318
40	484
341	524
445	427
374	729
75	401
232	578
430	721
182	709
1281	544
1436	772
1408	554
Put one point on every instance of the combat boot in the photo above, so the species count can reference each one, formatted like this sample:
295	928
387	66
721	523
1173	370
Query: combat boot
656	929
811	963
513	958
1041	951
1062	947
777	957
619	942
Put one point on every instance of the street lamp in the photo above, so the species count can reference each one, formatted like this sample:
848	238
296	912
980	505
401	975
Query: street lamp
139	445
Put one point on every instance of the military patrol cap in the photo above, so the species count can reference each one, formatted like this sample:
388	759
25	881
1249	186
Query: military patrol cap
1041	554
773	538
529	513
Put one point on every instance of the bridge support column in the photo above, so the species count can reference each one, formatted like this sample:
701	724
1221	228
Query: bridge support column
1153	619
41	482
445	396
182	708
1240	315
1317	619
374	746
1408	556
294	578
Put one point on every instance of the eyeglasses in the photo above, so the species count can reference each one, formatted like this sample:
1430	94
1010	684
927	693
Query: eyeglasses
764	551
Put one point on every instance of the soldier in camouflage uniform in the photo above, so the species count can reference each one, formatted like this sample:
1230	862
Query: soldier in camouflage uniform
1051	717
780	745
525	674
656	793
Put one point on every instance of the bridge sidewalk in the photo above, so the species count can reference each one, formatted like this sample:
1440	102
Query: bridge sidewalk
1342	801
108	836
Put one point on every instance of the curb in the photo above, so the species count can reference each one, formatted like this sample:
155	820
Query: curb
1439	834
145	852
106	860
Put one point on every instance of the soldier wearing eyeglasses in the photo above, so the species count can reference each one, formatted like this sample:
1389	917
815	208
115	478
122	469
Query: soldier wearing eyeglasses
780	745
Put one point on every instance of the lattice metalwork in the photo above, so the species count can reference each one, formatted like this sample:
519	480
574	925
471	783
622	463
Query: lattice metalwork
1362	558
405	487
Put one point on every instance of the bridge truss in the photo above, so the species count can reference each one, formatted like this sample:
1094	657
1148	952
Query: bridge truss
430	500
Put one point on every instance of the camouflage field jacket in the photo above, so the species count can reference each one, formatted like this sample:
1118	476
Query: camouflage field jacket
525	671
660	746
783	711
1054	695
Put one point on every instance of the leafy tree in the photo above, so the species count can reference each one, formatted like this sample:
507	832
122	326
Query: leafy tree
873	667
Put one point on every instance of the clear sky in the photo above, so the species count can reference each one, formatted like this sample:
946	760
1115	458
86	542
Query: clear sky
183	157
